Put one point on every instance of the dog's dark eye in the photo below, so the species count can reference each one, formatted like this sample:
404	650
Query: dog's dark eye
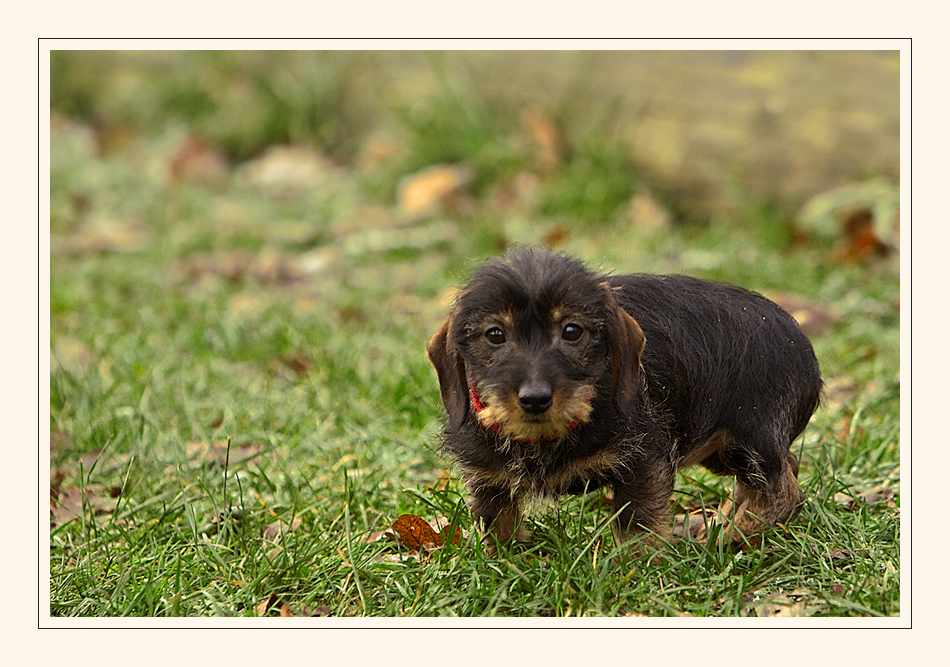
572	332
495	336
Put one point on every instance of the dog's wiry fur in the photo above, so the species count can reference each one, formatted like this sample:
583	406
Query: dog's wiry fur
559	380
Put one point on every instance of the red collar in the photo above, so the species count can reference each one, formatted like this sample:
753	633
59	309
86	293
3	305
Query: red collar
495	426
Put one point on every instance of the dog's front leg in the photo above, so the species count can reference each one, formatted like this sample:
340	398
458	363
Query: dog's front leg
642	500
497	514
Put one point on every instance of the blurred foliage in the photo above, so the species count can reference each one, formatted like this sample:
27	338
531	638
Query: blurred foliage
337	102
244	101
597	181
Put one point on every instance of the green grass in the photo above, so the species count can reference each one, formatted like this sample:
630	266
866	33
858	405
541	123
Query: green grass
312	377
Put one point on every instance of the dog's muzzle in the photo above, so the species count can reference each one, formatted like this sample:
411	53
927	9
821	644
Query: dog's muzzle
535	399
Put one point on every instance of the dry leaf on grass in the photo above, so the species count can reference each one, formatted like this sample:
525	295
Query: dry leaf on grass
277	528
418	535
414	532
864	218
694	523
376	536
425	191
860	240
287	170
292	366
843	556
59	440
262	607
873	496
71	356
798	603
197	160
56	479
74	503
103	232
217	454
547	139
273	605
648	215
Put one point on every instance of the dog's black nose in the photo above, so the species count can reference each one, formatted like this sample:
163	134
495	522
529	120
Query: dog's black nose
535	398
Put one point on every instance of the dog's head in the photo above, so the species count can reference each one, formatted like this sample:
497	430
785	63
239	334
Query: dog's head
529	343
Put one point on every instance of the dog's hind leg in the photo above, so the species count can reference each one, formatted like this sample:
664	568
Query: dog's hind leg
767	493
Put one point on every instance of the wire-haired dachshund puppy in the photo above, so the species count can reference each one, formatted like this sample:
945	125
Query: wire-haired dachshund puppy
558	380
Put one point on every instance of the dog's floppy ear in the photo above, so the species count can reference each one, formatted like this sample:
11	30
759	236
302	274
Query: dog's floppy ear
451	370
626	345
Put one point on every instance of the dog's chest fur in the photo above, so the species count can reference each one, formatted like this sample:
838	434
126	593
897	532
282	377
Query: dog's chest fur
586	459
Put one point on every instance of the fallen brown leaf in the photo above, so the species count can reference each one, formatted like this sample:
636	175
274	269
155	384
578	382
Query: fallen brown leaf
424	192
197	160
693	524
273	530
413	532
842	557
56	478
864	218
73	503
275	605
287	169
872	496
421	536
556	236
376	536
859	236
103	232
264	606
59	440
648	215
798	603
298	362
547	138
217	454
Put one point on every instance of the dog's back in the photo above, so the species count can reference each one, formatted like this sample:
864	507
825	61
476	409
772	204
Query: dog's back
736	357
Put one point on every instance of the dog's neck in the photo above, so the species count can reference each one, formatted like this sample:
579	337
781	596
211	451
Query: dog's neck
495	426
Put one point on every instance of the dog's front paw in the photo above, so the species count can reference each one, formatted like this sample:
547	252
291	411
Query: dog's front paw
492	539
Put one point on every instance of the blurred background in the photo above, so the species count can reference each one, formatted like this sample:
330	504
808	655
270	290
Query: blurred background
569	134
